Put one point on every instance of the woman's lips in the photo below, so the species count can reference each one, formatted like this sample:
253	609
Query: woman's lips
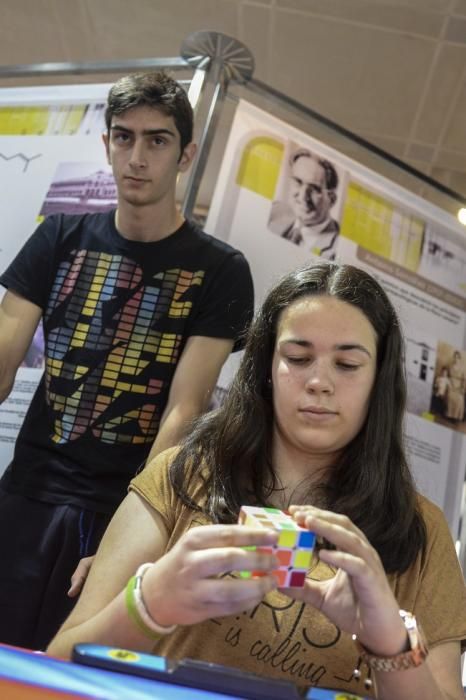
317	413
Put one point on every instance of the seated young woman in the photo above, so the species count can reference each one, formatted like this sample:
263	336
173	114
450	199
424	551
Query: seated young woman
312	422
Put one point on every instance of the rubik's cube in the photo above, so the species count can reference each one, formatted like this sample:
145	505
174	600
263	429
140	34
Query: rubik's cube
294	549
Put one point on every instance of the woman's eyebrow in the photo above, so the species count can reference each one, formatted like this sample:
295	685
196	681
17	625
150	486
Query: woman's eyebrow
339	346
353	346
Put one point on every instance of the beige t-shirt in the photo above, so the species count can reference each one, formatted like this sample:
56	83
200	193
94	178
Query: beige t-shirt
287	639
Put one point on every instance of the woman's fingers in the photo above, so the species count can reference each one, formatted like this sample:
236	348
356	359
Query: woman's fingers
216	549
235	592
210	536
338	529
353	553
209	599
213	562
301	513
312	593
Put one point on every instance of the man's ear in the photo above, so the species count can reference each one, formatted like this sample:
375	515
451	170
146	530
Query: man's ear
106	141
332	196
187	157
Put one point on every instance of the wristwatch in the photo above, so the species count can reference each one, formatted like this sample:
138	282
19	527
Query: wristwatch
415	656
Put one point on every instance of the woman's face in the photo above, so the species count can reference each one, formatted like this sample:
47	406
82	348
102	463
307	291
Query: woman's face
323	370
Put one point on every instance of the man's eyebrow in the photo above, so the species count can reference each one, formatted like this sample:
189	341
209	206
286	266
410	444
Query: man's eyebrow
340	346
146	132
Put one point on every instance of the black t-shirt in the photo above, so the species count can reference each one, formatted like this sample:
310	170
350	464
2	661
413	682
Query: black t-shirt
116	315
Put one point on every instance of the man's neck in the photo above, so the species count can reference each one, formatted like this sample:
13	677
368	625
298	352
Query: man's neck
147	224
316	228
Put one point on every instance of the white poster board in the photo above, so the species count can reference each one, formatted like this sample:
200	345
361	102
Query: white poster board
51	159
417	252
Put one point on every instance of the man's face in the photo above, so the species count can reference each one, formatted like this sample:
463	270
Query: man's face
143	148
309	197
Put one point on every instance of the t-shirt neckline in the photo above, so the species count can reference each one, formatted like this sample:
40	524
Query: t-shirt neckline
127	243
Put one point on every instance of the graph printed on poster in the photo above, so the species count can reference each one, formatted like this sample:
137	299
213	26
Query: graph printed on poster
416	251
51	160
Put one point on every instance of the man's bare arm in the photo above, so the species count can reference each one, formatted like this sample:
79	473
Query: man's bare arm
194	380
19	319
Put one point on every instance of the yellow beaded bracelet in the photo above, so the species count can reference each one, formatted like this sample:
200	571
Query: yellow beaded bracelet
137	609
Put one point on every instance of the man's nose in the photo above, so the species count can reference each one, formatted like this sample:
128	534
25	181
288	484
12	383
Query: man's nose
309	195
138	155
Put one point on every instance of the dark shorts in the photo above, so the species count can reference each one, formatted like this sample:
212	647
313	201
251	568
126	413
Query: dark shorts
40	547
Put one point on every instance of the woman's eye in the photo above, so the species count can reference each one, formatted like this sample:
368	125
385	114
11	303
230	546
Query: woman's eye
347	366
297	360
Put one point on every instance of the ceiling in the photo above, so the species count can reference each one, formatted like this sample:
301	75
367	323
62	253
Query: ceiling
392	71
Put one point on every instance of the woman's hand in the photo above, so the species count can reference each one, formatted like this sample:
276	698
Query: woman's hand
186	586
358	598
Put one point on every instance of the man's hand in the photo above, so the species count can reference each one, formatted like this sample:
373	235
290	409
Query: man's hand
79	576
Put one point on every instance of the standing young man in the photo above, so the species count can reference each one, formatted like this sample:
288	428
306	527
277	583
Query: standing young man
140	310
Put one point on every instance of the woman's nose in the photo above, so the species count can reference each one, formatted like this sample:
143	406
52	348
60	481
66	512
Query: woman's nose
320	379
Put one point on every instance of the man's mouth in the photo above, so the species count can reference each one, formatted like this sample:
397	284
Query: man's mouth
306	208
135	179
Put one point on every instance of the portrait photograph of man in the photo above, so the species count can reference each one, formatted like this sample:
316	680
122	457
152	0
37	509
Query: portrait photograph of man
305	213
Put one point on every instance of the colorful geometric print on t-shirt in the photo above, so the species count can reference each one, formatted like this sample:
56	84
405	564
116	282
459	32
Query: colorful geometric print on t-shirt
107	367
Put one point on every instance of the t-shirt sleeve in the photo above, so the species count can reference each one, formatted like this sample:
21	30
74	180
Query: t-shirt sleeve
228	302
31	272
440	603
154	486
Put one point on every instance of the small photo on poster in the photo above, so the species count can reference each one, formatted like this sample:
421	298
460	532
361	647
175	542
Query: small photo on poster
35	357
309	198
80	188
443	260
420	366
449	388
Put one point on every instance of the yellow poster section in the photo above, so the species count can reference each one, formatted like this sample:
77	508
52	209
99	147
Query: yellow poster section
35	120
377	225
260	165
